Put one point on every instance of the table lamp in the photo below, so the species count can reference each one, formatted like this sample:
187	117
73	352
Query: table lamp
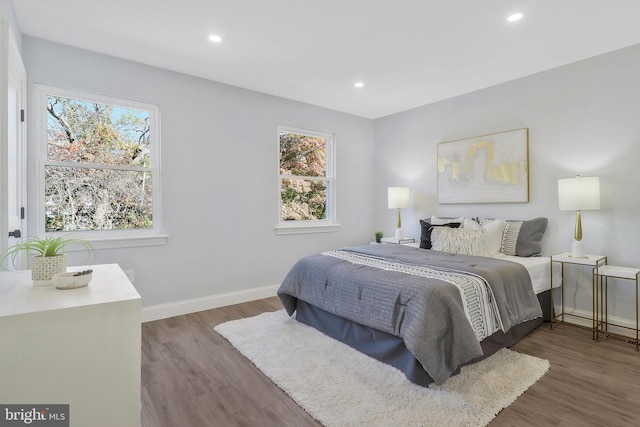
398	198
579	194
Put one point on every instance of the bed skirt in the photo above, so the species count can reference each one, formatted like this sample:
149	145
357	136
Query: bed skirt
392	350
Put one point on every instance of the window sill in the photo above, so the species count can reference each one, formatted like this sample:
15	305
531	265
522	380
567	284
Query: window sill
128	242
283	230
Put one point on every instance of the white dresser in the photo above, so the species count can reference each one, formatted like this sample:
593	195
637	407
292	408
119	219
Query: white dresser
80	347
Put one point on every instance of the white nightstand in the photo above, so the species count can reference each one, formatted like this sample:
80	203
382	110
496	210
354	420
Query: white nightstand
602	276
595	261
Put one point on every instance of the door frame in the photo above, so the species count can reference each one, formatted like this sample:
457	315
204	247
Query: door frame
12	72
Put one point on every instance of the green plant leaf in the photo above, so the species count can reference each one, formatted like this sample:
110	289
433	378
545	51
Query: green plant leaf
46	247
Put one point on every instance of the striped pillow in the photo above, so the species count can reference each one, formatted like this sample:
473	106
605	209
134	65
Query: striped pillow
510	237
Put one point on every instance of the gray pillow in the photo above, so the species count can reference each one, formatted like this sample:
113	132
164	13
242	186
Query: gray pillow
528	237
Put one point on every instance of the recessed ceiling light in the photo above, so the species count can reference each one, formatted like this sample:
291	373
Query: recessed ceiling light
515	17
214	38
358	84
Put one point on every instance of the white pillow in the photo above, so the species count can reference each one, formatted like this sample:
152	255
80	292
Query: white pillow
470	223
495	232
460	241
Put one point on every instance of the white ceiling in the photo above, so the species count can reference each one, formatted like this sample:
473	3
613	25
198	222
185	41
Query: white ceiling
407	52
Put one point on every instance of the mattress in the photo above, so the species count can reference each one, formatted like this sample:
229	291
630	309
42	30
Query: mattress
538	268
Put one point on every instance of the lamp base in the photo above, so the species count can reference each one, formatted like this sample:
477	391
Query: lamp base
398	233
577	250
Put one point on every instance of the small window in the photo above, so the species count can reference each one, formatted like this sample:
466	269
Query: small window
307	182
99	165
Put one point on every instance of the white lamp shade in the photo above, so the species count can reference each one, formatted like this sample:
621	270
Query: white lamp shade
398	197
579	194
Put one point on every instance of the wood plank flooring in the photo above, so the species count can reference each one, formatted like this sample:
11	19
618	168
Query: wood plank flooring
193	377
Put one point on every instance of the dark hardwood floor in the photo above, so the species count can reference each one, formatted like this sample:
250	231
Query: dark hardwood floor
193	377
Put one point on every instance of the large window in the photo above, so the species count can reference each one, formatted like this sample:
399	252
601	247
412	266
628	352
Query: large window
307	182
99	165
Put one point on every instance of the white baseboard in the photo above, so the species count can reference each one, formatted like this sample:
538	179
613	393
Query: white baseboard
585	320
163	311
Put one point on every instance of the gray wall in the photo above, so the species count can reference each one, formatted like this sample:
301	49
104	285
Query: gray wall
7	12
220	182
583	118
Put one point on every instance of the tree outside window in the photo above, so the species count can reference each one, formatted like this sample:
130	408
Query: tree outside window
305	175
99	170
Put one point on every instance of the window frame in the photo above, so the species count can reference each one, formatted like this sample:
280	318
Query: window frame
101	239
329	224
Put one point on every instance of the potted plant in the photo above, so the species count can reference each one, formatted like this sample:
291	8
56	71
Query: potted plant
48	255
379	235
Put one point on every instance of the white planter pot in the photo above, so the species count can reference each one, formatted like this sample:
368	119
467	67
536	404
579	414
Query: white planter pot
44	268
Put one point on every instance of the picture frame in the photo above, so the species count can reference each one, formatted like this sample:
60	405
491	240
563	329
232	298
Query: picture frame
490	168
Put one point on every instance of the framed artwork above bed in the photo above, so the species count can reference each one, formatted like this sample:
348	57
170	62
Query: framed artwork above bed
485	169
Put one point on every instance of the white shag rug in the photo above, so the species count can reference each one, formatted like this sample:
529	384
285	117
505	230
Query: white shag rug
340	386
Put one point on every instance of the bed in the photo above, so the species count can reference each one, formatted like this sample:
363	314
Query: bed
426	311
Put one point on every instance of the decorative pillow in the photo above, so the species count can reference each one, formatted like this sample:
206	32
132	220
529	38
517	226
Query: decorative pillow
460	241
495	231
435	220
470	223
510	237
427	228
529	237
522	238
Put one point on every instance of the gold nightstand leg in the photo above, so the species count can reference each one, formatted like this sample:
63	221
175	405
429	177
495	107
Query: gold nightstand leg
552	314
562	290
637	312
594	306
606	304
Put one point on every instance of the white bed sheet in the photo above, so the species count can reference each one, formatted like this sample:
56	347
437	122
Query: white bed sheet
538	268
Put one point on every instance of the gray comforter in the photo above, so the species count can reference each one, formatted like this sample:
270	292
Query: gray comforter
427	314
